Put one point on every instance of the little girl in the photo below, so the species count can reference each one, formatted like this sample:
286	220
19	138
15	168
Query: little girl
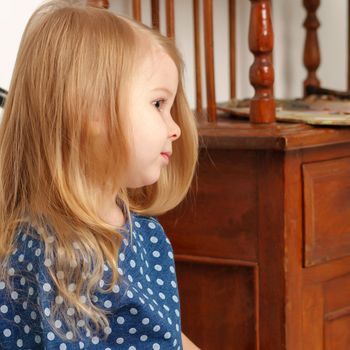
96	139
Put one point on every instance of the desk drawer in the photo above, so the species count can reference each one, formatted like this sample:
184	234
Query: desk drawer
326	207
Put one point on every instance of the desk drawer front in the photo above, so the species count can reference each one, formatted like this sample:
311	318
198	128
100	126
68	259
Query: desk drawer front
326	210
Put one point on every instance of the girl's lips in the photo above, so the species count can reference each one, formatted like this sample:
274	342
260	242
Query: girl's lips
166	155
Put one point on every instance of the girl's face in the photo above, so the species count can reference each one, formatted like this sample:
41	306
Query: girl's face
153	91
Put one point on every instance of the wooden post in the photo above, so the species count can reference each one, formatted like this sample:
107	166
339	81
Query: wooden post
311	49
98	3
136	10
155	14
170	21
209	59
232	31
262	105
348	45
197	52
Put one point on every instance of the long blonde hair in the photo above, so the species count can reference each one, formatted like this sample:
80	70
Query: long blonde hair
74	65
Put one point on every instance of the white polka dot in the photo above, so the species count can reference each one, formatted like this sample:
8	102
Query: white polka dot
160	314
30	267
150	291
33	315
69	335
17	319
19	343
132	263
46	287
70	311
101	283
155	346
108	330
26	329
60	275
130	278
59	299
37	251
141	238
129	294
58	324
47	311
133	311
50	336
47	262
25	305
72	287
63	346
83	299
142	301
22	281
21	257
145	320
120	341
177	327
154	239
143	337
95	340
2	285
151	225
116	288
132	330
167	335
173	284
132	348
120	320
137	224
107	304
30	291
37	339
11	271
156	254
81	323
175	298
81	345
171	268
30	244
4	309
105	267
122	256
147	278
158	267
7	333
169	320
161	295
120	271
177	312
175	342
156	328
166	307
139	285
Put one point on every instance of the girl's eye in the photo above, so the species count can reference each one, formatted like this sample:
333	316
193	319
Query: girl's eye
158	104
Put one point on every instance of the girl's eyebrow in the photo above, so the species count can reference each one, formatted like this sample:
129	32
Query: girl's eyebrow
164	89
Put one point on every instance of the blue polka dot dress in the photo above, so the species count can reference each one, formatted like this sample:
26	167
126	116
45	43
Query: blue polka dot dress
144	304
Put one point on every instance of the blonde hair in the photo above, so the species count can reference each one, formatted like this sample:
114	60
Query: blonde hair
73	66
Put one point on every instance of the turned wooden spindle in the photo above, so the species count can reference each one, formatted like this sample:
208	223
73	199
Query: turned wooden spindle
312	57
232	40
155	14
98	3
197	52
261	74
136	10
209	59
348	45
170	20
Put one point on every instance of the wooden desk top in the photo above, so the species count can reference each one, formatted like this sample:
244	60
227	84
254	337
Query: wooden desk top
228	133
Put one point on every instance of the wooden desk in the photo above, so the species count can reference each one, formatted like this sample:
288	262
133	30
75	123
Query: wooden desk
262	246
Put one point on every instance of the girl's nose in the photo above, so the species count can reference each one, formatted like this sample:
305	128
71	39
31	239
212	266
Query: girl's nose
174	130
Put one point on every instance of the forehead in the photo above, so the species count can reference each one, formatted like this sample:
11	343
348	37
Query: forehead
157	70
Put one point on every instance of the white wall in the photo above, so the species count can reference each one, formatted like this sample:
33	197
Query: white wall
288	17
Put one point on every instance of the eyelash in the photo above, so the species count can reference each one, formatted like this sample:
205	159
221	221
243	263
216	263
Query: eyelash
162	101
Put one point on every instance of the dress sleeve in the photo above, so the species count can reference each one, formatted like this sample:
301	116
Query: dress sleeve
20	312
